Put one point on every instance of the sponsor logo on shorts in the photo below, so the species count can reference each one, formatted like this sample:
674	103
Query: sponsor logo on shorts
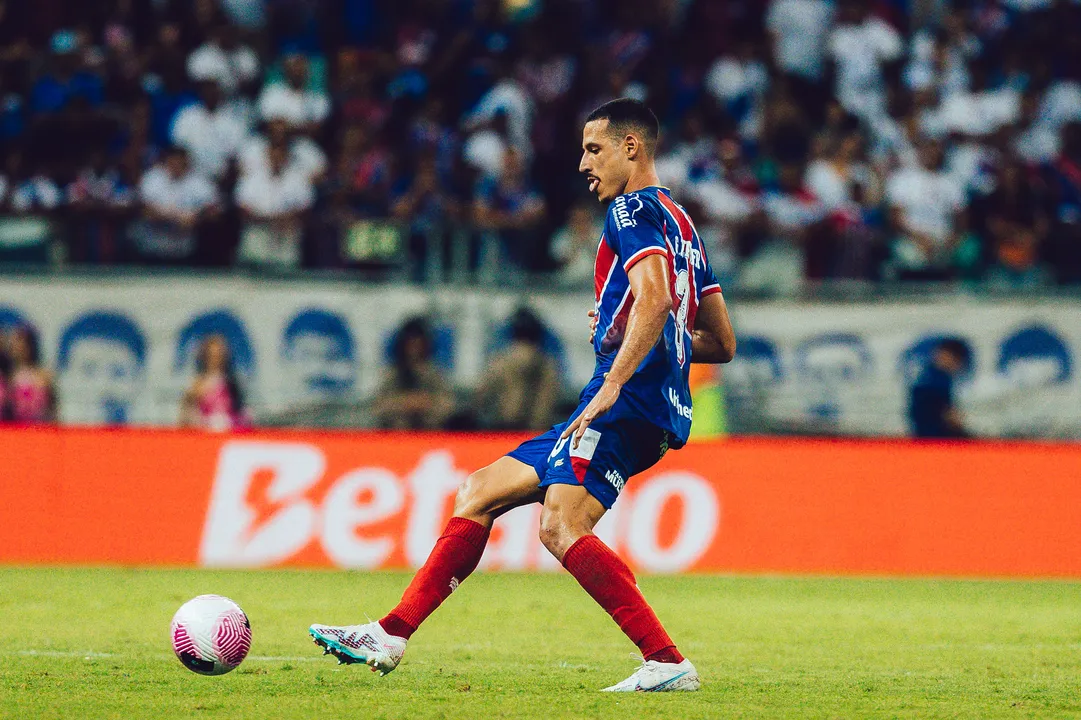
454	584
664	445
615	479
674	401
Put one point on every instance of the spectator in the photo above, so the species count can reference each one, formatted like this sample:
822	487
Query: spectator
931	409
1014	220
293	101
925	204
521	387
355	92
739	82
834	178
214	400
210	131
861	44
99	202
176	200
305	155
794	223
413	395
33	192
275	203
510	207
222	59
509	98
33	390
68	80
574	246
427	205
798	30
1064	249
365	171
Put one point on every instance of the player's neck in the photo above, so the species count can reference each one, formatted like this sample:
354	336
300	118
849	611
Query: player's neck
646	177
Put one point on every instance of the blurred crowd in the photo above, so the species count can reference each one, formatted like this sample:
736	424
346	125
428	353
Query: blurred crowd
521	388
811	139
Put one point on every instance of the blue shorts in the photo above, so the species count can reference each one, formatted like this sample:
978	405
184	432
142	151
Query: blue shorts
611	451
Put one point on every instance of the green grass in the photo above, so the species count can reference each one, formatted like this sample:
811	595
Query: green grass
78	643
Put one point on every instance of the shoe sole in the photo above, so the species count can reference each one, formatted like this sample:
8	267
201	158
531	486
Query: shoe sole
346	657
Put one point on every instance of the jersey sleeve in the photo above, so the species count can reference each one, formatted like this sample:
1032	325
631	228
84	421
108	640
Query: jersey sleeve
638	229
710	283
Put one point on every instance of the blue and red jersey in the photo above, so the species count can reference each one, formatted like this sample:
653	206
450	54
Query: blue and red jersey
640	224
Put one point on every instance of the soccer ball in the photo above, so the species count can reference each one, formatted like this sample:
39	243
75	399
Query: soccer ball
211	635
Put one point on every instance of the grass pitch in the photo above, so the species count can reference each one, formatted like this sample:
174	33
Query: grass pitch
93	643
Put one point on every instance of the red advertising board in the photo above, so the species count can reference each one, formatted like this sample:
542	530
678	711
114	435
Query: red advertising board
379	500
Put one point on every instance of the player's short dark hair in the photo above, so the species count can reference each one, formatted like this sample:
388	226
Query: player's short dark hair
627	114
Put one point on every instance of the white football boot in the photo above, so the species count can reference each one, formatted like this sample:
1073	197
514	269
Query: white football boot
655	676
369	644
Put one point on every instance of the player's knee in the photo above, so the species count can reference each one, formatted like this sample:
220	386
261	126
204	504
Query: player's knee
471	500
557	531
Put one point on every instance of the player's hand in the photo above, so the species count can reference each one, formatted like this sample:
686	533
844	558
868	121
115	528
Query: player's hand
593	318
601	403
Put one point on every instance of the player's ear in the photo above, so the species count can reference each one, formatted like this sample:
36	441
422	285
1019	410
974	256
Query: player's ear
632	146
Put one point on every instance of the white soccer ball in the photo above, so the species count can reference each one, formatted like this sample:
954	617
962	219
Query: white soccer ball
211	635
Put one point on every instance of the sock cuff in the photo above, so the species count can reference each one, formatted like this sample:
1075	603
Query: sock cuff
472	532
579	546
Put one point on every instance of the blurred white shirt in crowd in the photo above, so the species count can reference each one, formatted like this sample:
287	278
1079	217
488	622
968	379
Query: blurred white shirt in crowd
980	113
800	28
296	107
183	197
211	138
305	156
509	98
190	193
36	193
860	50
484	151
272	236
922	72
228	68
833	189
1061	104
268	195
1038	144
732	78
927	200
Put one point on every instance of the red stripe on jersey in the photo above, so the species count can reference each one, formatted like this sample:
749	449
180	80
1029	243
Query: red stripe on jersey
602	268
642	255
710	289
687	234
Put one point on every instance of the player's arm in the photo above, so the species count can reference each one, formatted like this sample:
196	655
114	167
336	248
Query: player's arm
652	304
649	311
713	339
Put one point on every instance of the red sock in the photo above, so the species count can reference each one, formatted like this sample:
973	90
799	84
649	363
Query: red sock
454	556
611	583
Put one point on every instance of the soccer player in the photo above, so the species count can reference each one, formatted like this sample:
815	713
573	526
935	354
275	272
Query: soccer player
658	306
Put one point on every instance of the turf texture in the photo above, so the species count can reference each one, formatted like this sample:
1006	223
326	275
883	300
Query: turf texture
93	643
